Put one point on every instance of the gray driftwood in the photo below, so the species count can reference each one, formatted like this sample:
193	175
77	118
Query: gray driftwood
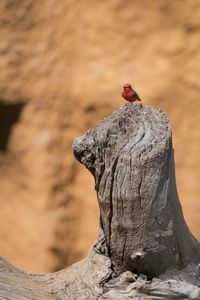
144	249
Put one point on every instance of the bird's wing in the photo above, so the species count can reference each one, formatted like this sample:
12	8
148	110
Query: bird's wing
136	95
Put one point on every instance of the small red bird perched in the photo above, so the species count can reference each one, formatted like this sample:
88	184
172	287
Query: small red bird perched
129	94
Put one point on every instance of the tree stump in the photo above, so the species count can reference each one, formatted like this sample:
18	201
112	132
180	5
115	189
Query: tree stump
144	249
131	157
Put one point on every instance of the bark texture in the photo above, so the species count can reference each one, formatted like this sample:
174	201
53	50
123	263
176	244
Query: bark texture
144	249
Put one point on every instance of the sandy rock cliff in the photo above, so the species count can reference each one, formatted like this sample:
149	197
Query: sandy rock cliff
62	67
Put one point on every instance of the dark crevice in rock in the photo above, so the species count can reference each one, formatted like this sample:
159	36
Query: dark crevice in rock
9	116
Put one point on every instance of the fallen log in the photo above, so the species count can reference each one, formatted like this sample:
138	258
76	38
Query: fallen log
144	249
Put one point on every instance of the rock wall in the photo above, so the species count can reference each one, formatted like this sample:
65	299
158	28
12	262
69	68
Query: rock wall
62	67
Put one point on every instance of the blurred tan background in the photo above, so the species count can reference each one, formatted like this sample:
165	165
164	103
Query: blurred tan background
62	66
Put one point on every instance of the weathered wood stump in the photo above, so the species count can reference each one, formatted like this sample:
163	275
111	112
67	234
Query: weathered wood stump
144	249
131	157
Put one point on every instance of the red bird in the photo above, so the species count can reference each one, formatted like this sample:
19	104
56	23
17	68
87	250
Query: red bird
129	94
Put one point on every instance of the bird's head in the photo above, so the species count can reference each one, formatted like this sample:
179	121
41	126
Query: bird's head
127	86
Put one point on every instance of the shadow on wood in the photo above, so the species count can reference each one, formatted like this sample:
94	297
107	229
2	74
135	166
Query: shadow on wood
144	249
